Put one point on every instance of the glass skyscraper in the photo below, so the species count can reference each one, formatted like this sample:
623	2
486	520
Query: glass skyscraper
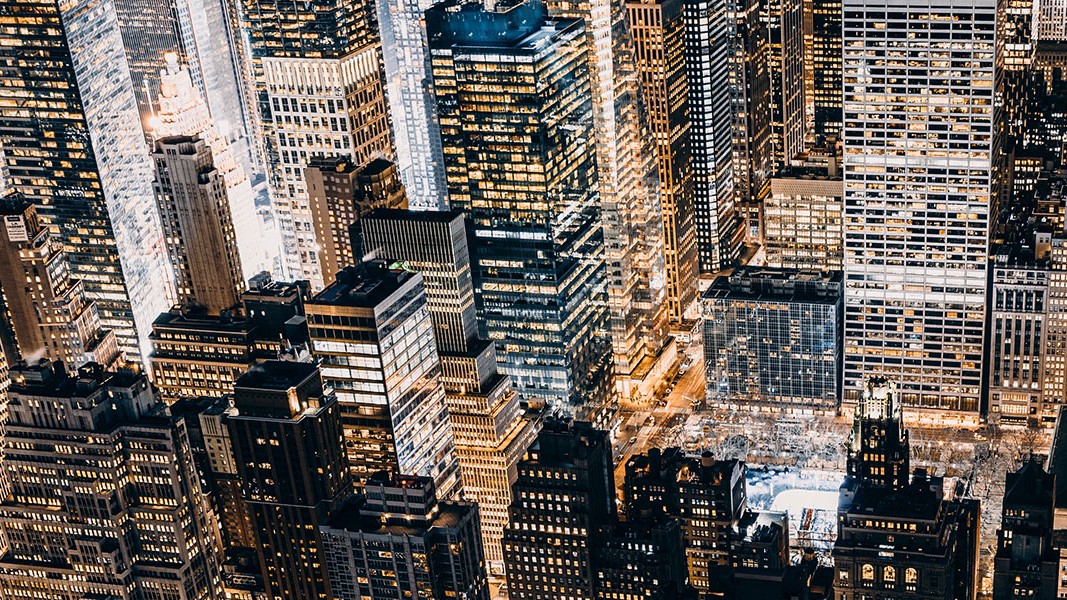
921	175
528	185
74	146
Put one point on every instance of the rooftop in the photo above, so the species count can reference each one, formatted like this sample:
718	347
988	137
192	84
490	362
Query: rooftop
365	285
768	283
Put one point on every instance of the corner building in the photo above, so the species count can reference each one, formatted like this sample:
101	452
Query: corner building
921	179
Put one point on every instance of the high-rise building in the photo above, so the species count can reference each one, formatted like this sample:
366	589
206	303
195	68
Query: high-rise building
370	329
102	497
920	191
772	340
708	71
1016	29
432	549
895	536
74	147
659	37
562	510
707	496
340	192
1027	561
46	312
802	223
490	430
195	210
538	255
785	31
643	558
195	354
288	446
319	84
627	187
412	107
182	111
749	85
825	66
1052	21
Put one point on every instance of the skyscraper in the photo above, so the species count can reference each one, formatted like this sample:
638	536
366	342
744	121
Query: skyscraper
920	189
490	430
719	230
629	194
565	480
317	72
288	446
749	84
1027	561
122	514
195	209
802	222
51	319
433	549
340	192
412	107
785	28
659	52
370	330
74	147
1052	21
182	111
826	66
538	250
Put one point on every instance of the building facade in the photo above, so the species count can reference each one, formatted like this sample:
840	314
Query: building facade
772	340
785	30
137	521
539	263
825	71
371	332
802	223
74	147
916	288
719	231
1027	561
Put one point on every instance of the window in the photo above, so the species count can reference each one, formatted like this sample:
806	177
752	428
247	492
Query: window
911	575
867	573
889	574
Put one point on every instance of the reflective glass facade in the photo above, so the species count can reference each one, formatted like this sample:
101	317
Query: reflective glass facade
74	146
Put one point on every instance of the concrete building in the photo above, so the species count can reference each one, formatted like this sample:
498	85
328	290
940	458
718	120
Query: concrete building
802	220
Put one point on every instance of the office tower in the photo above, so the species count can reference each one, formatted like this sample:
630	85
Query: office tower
909	539
772	340
428	549
74	147
785	31
1016	28
317	72
658	30
1026	564
490	430
627	184
802	223
195	211
340	192
412	107
538	256
642	559
289	448
707	496
370	330
195	354
1052	21
565	480
825	66
46	312
915	287
719	231
121	514
878	448
749	84
183	112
